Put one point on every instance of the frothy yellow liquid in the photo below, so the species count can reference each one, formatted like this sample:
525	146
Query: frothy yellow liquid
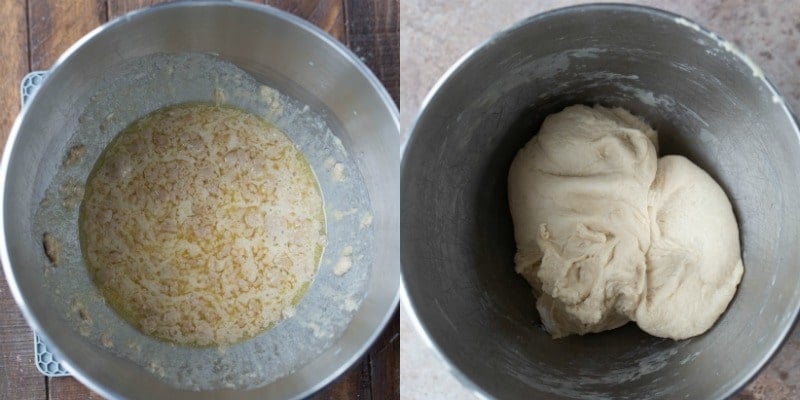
202	225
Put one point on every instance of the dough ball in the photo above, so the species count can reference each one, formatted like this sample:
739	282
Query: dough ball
606	233
694	263
578	198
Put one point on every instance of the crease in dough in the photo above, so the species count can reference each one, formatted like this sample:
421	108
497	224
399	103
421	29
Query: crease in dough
598	225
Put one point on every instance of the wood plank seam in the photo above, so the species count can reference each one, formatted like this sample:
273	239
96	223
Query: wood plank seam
106	11
346	7
28	32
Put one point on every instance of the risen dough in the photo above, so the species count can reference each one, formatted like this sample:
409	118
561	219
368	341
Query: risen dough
693	265
580	196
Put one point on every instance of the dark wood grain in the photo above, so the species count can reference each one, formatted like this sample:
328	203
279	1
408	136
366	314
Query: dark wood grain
68	388
326	14
14	65
117	8
353	384
385	362
121	7
54	25
19	378
373	33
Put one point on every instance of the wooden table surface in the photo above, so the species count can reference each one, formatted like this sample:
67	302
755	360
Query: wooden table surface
36	32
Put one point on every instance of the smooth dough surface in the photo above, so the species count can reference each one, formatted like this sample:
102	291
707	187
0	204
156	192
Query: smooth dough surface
582	203
693	265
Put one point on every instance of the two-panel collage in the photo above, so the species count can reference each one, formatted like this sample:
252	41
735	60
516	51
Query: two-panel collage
400	199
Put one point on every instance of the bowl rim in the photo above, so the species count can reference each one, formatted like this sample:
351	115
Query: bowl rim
308	27
407	302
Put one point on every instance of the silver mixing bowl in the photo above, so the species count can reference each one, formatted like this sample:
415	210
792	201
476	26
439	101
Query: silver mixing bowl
277	49
707	101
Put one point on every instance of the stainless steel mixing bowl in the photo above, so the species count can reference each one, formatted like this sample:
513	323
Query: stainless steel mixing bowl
707	102
276	48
